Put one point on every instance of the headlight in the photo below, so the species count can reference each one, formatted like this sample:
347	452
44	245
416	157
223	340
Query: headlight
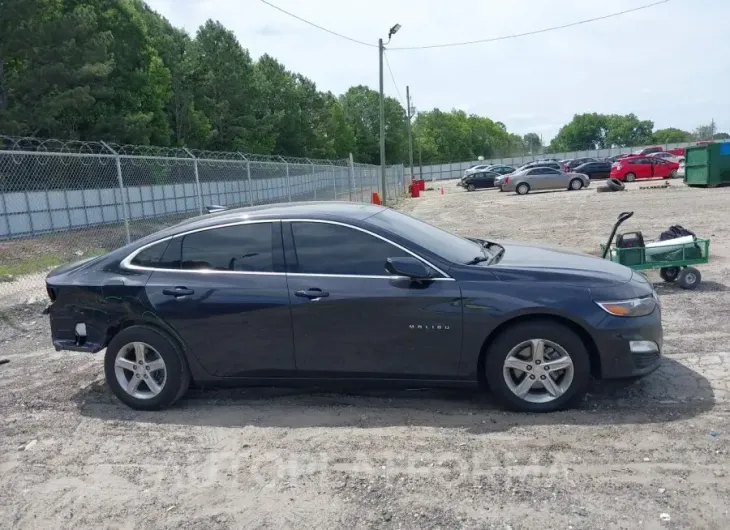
637	307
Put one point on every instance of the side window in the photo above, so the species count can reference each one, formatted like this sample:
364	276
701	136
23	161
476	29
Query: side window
150	257
324	248
243	248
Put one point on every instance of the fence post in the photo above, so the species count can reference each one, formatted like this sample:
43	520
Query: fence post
125	205
334	180
248	177
288	184
197	180
314	181
352	176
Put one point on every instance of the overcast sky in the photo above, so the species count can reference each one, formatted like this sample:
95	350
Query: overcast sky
669	63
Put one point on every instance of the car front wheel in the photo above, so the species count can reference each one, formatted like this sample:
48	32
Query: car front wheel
576	184
537	367
145	369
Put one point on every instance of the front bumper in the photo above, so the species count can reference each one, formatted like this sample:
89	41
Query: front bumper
630	347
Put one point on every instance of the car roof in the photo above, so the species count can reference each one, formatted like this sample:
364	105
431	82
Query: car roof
332	210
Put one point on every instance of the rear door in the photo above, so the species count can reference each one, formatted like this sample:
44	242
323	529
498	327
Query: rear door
351	318
485	180
223	290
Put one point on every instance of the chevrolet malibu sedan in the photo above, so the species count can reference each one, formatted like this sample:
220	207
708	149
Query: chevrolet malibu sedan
312	293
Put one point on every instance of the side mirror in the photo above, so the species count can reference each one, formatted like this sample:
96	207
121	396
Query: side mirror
410	267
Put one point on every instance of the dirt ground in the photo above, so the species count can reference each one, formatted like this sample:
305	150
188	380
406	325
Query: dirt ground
654	453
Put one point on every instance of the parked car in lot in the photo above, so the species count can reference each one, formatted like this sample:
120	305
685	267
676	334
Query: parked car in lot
666	155
475	169
543	178
544	163
351	294
643	167
594	170
485	179
502	170
572	164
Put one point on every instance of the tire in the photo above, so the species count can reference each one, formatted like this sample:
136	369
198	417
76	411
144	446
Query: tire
575	184
158	346
615	184
673	174
630	177
470	187
504	381
689	278
669	274
522	189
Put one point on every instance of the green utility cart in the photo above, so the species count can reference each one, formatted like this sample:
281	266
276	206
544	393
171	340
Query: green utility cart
707	165
673	257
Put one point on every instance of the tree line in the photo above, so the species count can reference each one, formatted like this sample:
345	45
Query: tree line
116	70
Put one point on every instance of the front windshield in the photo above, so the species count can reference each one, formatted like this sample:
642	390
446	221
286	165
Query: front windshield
440	242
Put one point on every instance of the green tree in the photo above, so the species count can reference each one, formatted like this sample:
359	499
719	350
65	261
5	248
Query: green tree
721	136
533	143
361	106
627	131
671	135
584	132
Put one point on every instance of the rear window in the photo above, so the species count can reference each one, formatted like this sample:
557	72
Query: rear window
150	257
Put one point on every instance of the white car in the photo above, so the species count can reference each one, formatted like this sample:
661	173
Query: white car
475	169
680	172
664	155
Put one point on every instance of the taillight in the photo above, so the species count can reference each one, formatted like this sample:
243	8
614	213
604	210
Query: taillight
51	293
506	180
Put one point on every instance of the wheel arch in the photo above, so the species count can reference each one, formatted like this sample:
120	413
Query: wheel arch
577	328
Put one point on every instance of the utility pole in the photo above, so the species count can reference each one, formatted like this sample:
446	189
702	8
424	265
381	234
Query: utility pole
410	136
381	50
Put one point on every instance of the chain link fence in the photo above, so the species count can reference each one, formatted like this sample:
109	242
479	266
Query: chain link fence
64	201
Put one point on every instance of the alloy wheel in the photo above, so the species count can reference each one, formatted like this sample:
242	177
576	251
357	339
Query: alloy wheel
140	370
538	371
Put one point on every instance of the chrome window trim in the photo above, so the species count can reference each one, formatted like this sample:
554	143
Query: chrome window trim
126	263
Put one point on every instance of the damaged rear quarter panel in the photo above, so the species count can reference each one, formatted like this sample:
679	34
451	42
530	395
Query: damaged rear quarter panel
103	299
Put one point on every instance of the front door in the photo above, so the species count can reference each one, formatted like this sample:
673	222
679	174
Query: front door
220	291
352	319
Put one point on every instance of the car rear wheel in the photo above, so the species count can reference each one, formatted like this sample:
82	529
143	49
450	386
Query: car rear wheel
630	177
522	189
145	369
470	187
537	367
576	184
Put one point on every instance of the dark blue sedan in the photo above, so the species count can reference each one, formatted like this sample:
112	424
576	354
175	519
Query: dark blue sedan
356	293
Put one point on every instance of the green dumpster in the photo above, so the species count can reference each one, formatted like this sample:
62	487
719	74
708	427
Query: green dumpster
708	164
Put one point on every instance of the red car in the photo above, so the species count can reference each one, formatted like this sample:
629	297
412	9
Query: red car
643	167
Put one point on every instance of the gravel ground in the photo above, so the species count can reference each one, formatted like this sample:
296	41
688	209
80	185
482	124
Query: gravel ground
652	453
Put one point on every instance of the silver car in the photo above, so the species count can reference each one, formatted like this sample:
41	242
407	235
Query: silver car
543	178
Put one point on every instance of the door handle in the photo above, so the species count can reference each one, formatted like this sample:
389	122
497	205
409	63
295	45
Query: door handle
312	294
178	291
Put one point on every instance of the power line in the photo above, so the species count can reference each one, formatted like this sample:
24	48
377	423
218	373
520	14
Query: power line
535	32
319	27
392	77
481	41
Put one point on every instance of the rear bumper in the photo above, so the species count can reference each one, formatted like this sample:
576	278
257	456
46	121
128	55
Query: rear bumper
630	347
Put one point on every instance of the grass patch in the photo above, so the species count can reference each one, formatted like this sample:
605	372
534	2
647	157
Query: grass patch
43	261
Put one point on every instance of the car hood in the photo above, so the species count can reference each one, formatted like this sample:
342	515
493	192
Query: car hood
527	262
